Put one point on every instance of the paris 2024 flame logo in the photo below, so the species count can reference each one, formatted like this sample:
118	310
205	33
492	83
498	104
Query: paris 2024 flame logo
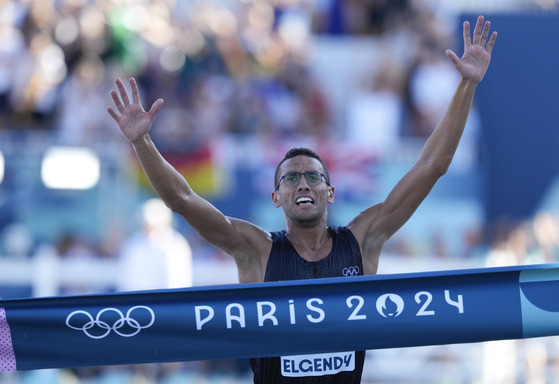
390	305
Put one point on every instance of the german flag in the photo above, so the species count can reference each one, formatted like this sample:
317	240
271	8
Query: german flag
199	168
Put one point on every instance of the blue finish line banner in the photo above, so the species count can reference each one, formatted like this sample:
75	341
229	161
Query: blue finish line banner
285	318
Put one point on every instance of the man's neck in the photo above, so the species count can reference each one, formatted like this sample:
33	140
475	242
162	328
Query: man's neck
309	239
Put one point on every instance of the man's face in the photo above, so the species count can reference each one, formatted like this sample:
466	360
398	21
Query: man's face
303	203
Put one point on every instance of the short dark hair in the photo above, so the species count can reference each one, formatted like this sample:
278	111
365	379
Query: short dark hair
300	152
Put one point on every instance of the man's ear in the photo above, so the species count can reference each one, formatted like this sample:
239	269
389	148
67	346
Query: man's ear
275	199
330	195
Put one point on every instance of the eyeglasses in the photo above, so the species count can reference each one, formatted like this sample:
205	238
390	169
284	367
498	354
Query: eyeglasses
292	179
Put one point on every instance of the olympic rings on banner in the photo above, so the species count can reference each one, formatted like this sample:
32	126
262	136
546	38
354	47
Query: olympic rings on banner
116	326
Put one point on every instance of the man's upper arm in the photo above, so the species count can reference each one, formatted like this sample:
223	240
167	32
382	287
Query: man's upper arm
376	224
246	242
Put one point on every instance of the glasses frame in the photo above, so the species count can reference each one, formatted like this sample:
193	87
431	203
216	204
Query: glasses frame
299	174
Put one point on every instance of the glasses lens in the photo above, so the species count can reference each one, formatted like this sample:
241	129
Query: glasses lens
313	177
292	178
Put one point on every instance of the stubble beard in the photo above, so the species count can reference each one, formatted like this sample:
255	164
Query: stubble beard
307	220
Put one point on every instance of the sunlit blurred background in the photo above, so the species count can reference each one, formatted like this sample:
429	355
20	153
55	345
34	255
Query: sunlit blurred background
363	82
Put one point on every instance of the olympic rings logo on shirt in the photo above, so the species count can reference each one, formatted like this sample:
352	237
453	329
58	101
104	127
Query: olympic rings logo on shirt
351	271
123	325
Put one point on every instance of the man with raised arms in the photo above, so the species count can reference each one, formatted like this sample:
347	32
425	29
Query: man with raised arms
308	247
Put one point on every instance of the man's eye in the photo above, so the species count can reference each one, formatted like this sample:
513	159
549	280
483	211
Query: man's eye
313	177
291	178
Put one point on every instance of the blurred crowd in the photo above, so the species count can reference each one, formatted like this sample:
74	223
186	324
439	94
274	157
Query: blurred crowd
222	66
231	67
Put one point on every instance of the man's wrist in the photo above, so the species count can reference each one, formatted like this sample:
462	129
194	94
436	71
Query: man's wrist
142	140
468	85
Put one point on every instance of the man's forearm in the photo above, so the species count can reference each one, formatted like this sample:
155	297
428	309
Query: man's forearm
167	182
442	144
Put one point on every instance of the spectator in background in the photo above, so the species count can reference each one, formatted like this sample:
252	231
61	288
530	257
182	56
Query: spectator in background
378	104
79	91
17	241
546	236
157	256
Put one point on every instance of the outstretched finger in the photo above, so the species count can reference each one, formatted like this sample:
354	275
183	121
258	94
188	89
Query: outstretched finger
135	91
155	107
122	91
113	114
477	30
491	42
485	33
466	34
453	57
117	101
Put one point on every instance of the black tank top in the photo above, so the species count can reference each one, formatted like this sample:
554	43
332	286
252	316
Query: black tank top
285	263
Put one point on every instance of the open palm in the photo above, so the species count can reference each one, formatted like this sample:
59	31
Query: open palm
477	51
131	118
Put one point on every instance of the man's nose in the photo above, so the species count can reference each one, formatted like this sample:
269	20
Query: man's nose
303	183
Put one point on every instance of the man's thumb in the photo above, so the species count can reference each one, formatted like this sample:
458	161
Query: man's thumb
453	57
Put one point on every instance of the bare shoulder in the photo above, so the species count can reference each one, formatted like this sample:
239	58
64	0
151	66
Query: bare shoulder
251	251
363	224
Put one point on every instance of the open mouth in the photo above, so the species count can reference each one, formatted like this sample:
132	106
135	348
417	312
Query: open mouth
304	201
